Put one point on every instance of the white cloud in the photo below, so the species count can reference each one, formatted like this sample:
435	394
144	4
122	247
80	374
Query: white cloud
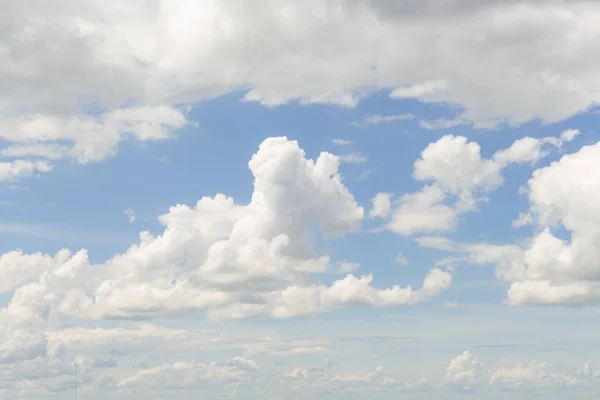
532	375
530	150
441	123
551	270
377	119
422	212
353	158
285	350
464	372
230	260
130	213
442	160
48	151
401	259
377	381
90	139
346	267
143	55
382	205
341	142
302	373
569	134
19	268
22	168
458	171
436	242
547	269
419	90
450	304
189	374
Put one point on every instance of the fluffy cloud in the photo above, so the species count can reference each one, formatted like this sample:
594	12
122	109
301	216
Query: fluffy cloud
130	67
22	168
532	375
549	268
30	362
381	205
40	137
230	260
464	372
528	60
422	212
557	270
460	178
190	374
376	381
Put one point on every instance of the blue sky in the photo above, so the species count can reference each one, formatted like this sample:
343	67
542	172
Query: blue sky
412	218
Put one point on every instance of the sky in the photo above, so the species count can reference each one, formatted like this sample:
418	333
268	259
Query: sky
323	199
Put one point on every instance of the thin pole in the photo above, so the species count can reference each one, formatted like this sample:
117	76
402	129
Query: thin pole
76	368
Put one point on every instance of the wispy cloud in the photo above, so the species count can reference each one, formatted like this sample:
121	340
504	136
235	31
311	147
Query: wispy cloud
365	174
130	215
341	142
353	158
383	119
441	123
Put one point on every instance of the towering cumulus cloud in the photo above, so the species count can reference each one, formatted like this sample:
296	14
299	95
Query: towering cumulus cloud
230	260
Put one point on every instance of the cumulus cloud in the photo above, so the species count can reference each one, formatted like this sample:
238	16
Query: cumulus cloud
189	374
459	178
229	260
527	62
464	372
39	138
422	212
555	270
377	381
30	362
381	205
532	375
10	171
548	268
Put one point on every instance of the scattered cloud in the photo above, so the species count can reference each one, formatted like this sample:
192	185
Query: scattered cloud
419	90
353	158
532	375
464	372
130	213
220	266
377	119
11	171
382	205
365	174
401	259
341	142
450	304
37	139
456	169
